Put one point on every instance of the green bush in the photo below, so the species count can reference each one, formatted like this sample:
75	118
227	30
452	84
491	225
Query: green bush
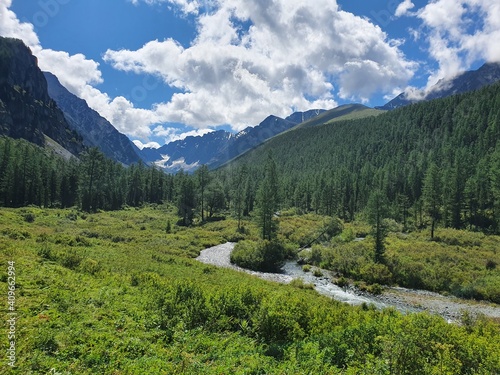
71	259
300	284
376	273
265	256
317	272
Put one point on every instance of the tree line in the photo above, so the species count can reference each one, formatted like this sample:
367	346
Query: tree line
428	164
31	175
432	163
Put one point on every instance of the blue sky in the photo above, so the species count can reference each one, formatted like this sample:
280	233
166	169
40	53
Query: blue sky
160	70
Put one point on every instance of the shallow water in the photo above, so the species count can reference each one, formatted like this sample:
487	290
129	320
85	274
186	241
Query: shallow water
220	256
404	300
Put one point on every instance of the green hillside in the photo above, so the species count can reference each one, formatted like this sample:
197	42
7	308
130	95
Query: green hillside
344	112
333	169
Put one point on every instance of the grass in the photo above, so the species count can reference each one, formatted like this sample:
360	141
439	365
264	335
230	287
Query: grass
458	262
113	293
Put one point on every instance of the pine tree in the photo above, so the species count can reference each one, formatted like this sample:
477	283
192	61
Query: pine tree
186	198
203	179
432	195
268	200
377	212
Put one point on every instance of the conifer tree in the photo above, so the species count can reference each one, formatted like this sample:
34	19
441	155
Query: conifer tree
432	195
377	212
268	200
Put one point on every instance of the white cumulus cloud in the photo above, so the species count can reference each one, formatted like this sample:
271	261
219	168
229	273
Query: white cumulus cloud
404	8
253	58
460	33
79	75
171	134
141	145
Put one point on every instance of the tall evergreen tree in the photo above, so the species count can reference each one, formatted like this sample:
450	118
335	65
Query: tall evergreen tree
186	198
268	200
91	172
203	179
432	195
377	212
238	188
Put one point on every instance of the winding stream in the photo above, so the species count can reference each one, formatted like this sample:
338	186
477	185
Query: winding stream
404	300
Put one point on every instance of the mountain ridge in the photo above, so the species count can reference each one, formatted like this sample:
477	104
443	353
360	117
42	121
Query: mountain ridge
95	129
218	147
26	109
471	80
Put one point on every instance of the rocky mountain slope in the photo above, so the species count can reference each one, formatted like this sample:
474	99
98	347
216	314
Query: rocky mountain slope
218	147
486	75
95	129
26	109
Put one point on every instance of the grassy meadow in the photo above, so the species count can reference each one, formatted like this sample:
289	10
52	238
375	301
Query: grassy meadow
120	293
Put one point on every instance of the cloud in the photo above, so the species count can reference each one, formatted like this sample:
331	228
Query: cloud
460	33
176	165
186	6
404	8
175	134
253	58
79	75
11	27
141	145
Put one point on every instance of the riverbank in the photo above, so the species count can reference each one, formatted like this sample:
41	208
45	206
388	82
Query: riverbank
406	300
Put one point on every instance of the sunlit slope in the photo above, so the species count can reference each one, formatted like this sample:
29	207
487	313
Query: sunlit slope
344	112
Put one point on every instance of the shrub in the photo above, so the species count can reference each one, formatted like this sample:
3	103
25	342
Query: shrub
90	266
71	259
266	256
316	254
375	289
45	252
306	268
342	282
376	273
491	265
29	217
317	273
300	284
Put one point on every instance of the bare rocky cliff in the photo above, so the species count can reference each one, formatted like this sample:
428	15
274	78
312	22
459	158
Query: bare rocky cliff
26	110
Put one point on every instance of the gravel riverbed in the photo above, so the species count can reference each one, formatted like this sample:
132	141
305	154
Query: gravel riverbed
406	300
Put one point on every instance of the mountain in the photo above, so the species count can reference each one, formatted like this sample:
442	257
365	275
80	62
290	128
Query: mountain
486	75
343	112
189	153
26	109
218	147
95	129
334	168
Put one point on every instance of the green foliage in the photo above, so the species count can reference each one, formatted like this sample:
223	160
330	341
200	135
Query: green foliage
268	200
436	163
266	256
300	284
124	311
317	273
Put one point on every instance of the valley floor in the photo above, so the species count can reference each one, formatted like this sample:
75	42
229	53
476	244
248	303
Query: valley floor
406	300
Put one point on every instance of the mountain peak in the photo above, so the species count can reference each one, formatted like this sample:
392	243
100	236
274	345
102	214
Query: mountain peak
95	129
487	74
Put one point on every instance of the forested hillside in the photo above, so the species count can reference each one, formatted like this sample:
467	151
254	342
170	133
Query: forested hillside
31	175
436	162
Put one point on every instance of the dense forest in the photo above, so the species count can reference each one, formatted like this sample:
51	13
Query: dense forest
436	162
31	175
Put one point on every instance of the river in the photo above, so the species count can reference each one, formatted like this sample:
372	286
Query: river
404	300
